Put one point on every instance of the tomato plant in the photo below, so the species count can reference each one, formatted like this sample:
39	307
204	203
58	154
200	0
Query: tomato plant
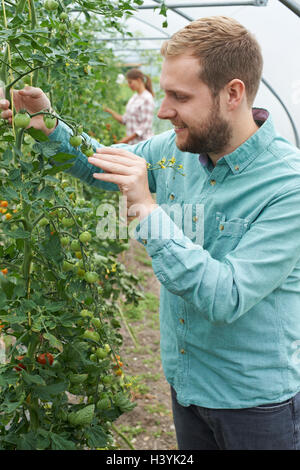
58	300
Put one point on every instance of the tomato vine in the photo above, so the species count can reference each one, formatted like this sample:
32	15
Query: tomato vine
61	383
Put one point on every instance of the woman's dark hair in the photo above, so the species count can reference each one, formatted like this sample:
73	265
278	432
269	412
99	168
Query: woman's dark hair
136	73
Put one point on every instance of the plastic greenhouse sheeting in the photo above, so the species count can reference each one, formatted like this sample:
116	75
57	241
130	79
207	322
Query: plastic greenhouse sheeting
276	27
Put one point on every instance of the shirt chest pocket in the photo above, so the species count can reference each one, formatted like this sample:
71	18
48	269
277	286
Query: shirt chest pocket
227	234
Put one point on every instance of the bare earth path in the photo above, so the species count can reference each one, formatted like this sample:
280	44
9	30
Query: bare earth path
149	426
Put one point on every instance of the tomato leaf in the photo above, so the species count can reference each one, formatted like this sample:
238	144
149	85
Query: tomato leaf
49	391
56	169
37	134
19	233
63	157
54	342
46	149
96	437
32	378
61	443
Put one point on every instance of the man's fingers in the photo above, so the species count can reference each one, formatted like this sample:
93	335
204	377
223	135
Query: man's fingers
4	104
113	159
118	151
111	178
110	167
6	114
30	91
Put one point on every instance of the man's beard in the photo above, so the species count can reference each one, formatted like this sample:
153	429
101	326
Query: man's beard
212	136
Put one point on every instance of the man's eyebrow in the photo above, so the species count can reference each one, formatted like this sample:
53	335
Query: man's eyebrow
176	90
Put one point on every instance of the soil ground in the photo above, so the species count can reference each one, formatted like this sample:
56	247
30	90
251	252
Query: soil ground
149	426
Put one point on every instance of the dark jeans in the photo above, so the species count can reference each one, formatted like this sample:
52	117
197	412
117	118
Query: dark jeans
266	427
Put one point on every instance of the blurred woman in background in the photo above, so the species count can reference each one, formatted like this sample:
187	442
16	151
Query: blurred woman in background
139	109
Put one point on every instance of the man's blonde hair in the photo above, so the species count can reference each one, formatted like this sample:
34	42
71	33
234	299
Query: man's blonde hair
226	49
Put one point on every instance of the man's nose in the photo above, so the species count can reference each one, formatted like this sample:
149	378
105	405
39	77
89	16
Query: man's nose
165	111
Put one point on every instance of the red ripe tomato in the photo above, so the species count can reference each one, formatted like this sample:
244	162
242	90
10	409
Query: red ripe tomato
45	358
20	365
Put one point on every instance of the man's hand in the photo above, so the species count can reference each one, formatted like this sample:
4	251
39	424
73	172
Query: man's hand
129	172
30	98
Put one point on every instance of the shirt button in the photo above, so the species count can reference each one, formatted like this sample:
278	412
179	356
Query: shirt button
172	197
237	168
182	351
181	321
195	218
221	227
212	182
145	242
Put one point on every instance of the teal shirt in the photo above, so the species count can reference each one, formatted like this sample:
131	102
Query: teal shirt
225	246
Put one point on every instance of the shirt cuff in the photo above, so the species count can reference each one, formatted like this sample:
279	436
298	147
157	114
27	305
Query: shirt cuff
156	230
59	132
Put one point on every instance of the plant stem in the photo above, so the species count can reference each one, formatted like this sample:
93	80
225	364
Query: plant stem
3	72
122	436
20	7
32	15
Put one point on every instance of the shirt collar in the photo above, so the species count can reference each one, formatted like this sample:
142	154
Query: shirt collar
252	148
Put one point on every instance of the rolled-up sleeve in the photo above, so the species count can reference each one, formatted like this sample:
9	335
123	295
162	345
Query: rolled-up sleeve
225	290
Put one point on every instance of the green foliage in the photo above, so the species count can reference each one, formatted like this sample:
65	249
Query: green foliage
44	285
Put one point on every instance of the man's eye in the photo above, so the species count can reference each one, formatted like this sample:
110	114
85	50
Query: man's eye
181	98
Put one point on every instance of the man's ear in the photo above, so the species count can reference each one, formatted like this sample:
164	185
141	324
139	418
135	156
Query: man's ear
234	93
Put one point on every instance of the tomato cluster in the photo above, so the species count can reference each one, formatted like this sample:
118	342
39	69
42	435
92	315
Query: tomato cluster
4	210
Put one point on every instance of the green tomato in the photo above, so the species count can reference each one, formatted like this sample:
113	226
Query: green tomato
64	241
91	277
87	150
86	313
93	335
43	222
85	237
76	26
80	272
51	5
107	379
93	358
63	16
78	378
101	353
75	245
49	121
62	27
115	323
96	323
67	221
75	140
22	120
66	266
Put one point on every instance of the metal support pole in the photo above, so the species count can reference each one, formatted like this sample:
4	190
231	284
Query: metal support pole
132	39
297	140
207	4
180	13
292	5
